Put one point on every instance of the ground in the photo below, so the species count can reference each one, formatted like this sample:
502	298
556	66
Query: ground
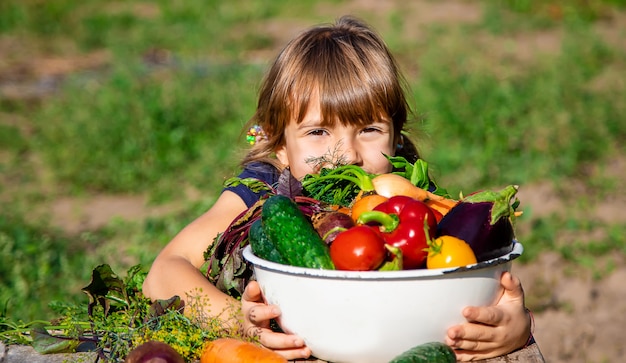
580	318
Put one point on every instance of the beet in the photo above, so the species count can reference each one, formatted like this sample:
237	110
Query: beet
154	351
329	224
485	221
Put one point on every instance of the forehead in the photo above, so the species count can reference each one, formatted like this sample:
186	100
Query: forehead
329	107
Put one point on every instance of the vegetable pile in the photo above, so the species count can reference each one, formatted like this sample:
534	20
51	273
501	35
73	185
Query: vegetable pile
345	218
342	218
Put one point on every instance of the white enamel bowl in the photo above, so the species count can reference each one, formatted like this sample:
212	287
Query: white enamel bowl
370	317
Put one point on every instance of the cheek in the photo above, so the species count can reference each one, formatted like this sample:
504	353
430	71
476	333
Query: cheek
299	170
382	166
298	164
375	162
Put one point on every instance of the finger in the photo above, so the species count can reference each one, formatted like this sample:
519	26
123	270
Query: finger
488	315
288	345
252	292
261	314
293	354
470	333
483	345
512	285
468	355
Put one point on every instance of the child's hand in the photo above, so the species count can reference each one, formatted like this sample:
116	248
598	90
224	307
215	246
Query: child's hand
496	330
257	317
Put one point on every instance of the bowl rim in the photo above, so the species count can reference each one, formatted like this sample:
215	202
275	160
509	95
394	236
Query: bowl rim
516	251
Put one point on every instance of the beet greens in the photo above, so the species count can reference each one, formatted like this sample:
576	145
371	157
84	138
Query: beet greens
227	269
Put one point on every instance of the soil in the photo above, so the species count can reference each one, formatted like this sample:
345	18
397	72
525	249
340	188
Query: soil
578	318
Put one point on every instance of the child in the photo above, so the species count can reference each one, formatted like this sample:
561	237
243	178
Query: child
333	95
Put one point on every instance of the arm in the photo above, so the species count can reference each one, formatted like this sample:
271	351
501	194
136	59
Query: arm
495	330
175	271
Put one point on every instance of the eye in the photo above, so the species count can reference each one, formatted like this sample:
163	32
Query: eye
317	132
370	129
374	128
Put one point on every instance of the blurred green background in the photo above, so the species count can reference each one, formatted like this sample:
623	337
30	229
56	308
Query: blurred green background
145	101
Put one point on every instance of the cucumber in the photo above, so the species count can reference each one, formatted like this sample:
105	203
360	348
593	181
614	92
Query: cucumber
432	352
261	244
293	234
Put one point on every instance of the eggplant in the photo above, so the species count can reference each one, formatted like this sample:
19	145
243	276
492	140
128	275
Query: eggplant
485	221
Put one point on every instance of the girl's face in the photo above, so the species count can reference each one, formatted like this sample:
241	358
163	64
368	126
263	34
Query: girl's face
307	143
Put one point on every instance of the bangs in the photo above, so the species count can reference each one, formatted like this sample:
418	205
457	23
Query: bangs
348	105
355	87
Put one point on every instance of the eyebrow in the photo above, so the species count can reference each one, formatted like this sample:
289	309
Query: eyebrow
310	123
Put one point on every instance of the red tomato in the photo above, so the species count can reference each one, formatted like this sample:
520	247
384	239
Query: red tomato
358	248
449	251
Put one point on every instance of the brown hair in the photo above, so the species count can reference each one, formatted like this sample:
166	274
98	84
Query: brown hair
355	74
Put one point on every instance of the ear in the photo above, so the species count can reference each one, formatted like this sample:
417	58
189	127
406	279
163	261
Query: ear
281	155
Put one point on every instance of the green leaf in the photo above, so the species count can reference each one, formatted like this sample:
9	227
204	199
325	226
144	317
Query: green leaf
134	279
44	343
417	173
160	307
256	185
502	199
105	289
419	176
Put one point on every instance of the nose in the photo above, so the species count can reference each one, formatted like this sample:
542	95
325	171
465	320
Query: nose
349	152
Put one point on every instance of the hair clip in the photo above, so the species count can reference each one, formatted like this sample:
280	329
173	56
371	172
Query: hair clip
255	134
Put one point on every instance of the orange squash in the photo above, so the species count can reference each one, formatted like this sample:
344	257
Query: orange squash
364	203
230	350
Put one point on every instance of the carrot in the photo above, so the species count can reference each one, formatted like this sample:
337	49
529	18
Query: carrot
340	209
441	205
230	350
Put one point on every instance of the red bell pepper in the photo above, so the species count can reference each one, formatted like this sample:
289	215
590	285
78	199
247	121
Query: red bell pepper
405	223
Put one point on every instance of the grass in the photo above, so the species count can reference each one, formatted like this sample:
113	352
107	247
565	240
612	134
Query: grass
164	109
505	122
35	262
173	121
